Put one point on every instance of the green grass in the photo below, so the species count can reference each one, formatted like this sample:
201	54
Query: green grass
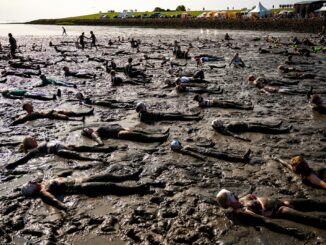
170	13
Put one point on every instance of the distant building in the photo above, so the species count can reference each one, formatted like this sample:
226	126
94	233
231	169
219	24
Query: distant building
286	6
307	7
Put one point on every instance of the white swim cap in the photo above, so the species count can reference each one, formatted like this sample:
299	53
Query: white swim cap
176	145
217	123
30	188
225	198
141	107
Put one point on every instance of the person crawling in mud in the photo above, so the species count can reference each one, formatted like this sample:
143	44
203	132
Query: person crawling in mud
46	81
33	150
226	104
233	128
23	65
22	94
96	185
25	74
131	72
253	80
52	115
237	61
317	103
252	208
180	88
118	81
78	74
146	116
299	166
287	69
110	103
202	153
115	131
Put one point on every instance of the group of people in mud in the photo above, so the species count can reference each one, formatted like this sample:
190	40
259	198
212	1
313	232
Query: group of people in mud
248	206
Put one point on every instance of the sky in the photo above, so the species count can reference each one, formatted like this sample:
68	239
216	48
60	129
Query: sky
24	10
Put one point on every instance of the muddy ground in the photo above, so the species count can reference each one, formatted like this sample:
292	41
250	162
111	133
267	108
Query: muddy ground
185	211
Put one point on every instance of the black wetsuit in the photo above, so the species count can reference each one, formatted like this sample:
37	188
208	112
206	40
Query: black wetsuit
226	104
13	46
157	116
114	132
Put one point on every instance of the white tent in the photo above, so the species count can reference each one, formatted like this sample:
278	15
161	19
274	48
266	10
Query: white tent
322	9
260	10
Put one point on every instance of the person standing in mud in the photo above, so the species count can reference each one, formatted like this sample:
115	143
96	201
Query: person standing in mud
93	40
81	40
13	45
64	32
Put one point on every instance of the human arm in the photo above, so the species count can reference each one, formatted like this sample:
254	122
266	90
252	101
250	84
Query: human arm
32	154
51	200
316	181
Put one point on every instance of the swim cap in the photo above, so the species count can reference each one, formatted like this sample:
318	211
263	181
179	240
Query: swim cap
87	131
79	96
251	78
141	107
28	104
225	198
217	123
176	145
31	188
316	99
29	143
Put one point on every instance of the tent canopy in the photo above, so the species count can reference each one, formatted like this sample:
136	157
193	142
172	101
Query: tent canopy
322	9
260	10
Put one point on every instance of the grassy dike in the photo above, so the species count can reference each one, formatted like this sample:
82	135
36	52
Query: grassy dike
293	25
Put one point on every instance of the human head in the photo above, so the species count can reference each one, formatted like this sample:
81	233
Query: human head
198	98
251	79
300	166
65	68
29	143
31	188
9	35
28	106
112	73
91	32
83	33
79	96
281	67
316	99
175	145
141	107
227	199
87	132
177	81
129	60
42	77
217	124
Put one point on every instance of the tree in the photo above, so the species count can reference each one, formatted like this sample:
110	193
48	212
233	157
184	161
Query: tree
180	8
158	9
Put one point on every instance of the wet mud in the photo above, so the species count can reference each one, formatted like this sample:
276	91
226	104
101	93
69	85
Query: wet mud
186	210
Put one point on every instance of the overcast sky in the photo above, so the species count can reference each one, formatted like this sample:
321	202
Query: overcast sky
23	10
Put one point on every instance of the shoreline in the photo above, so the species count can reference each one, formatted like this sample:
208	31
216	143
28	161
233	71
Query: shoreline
291	25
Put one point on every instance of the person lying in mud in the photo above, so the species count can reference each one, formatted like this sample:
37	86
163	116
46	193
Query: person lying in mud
260	209
253	80
25	74
96	59
115	131
118	81
287	69
113	104
198	77
22	65
96	185
180	88
269	89
201	59
33	150
237	61
317	103
300	76
235	127
299	166
78	74
113	66
146	116
202	153
22	94
225	104
52	115
46	81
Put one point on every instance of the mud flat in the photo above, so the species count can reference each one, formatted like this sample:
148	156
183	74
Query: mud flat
185	211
